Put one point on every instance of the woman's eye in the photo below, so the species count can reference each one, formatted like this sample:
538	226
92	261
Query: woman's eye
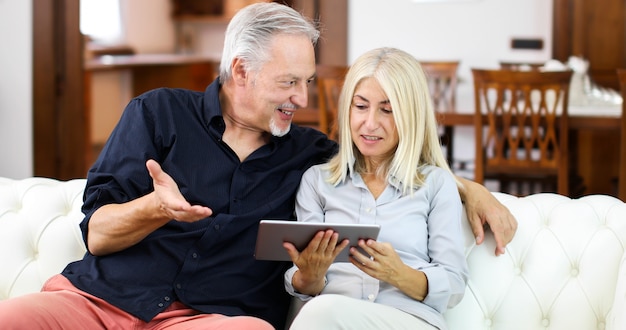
386	110
360	106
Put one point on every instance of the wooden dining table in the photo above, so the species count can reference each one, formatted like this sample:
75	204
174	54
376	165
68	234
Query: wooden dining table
595	136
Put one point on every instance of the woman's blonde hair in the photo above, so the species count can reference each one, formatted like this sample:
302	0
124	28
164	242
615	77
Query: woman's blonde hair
402	79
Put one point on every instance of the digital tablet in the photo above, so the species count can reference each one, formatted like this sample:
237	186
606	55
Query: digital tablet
272	234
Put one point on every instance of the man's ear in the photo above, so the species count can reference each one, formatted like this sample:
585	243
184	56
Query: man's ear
239	72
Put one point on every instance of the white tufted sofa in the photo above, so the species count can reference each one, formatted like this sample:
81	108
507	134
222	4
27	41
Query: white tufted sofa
565	269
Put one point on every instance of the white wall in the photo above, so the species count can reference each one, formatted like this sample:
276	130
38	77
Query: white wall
148	25
16	129
476	32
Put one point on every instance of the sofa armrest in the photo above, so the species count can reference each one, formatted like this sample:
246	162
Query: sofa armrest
39	231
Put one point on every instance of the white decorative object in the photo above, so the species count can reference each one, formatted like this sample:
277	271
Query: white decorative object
583	91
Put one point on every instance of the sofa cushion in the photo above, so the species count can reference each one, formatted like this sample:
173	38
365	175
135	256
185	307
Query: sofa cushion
39	231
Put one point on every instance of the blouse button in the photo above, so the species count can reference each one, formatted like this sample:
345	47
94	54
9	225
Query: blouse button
370	297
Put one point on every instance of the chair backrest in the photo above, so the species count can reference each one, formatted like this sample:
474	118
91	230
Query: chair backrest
521	66
621	73
442	82
525	116
329	83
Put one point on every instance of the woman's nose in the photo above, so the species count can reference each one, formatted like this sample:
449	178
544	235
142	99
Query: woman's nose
371	120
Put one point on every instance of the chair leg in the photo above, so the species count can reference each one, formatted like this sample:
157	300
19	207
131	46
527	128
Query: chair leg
448	133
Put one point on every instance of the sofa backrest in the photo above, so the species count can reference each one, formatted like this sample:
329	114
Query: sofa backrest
559	272
39	231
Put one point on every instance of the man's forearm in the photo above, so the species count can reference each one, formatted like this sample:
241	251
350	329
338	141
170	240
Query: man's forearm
115	227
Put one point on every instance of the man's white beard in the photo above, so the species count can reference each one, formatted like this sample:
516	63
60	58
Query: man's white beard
277	131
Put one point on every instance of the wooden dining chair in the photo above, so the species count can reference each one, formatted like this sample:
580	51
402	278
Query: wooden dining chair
442	83
329	81
621	181
521	129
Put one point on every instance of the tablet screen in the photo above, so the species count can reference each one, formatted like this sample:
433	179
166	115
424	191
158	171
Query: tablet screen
272	234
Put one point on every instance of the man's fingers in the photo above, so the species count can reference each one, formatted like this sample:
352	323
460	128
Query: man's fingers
504	236
153	168
500	245
477	228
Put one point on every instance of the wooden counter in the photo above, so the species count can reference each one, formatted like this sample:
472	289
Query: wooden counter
151	71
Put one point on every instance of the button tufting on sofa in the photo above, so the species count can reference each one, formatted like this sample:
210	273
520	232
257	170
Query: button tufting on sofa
39	231
565	268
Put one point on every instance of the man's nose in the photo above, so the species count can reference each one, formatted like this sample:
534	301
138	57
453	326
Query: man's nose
301	95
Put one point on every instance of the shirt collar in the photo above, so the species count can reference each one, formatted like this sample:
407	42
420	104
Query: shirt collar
356	177
212	105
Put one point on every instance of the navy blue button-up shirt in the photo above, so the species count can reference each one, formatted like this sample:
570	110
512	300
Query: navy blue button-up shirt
208	265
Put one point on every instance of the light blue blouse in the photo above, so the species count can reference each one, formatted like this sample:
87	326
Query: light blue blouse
424	229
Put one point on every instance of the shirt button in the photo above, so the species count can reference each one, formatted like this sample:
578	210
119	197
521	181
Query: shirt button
217	227
368	210
166	298
194	255
370	297
178	286
161	305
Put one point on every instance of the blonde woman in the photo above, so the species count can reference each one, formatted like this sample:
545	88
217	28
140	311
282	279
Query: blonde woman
389	170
